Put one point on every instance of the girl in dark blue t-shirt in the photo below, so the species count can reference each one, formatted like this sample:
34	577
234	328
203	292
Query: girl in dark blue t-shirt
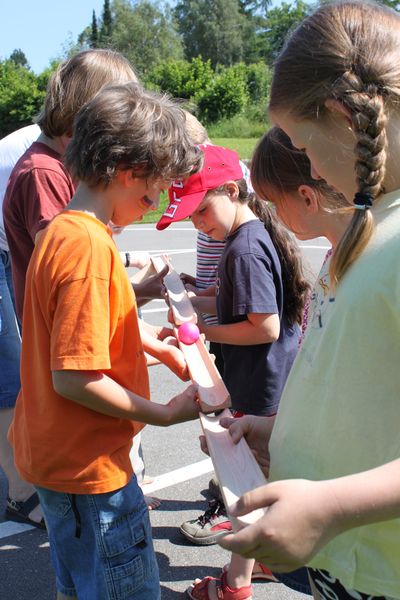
259	296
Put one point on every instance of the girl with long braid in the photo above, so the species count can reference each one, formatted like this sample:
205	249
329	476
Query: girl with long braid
334	493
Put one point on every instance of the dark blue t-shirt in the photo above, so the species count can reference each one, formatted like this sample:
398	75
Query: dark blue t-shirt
249	281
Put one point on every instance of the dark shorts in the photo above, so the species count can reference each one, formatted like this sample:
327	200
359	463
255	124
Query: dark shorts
296	580
112	556
330	588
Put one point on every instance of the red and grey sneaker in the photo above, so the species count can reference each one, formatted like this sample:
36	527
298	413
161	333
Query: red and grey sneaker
207	528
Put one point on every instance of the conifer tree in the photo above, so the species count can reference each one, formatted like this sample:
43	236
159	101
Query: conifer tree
106	25
94	35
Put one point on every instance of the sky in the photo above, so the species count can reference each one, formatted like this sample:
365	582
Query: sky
42	28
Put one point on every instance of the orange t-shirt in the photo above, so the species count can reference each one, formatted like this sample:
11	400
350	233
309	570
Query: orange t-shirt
79	314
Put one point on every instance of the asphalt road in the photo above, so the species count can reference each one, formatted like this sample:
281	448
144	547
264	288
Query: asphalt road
172	456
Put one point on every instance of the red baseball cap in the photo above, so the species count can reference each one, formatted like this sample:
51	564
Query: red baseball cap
220	165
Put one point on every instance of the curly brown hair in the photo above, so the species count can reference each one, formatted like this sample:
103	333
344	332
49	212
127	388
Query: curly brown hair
126	127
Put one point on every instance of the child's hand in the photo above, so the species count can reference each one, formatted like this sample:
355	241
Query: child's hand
139	259
302	517
184	407
256	431
151	287
187	279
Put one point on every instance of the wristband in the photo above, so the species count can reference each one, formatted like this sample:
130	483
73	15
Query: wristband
127	259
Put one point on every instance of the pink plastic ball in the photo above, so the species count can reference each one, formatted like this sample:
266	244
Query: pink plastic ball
188	333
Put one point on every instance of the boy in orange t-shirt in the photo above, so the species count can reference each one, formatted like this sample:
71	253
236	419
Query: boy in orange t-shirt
84	383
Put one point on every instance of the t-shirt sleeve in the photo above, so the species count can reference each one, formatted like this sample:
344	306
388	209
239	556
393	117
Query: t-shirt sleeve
48	193
80	328
253	285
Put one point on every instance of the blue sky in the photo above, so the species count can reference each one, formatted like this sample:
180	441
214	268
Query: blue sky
42	28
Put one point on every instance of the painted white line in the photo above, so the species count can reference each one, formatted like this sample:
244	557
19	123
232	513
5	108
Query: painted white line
315	247
172	251
153	310
165	251
179	475
168	230
11	528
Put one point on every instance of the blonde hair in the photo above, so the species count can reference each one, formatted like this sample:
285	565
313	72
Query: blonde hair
350	52
196	131
126	127
74	82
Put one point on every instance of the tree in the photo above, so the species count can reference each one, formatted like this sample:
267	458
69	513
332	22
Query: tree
106	25
391	3
278	23
94	34
249	7
211	28
19	58
145	34
20	96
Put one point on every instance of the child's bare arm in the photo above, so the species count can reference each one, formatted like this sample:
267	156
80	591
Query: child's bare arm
98	392
204	304
257	329
304	515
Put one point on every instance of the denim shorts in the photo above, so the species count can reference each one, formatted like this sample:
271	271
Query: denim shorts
10	339
101	545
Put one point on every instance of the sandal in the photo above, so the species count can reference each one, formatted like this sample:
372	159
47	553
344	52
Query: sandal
200	590
260	572
19	511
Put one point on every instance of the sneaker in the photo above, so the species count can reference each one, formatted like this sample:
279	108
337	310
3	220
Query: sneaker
207	528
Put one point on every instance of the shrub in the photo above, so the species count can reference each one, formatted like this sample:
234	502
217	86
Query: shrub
20	96
224	97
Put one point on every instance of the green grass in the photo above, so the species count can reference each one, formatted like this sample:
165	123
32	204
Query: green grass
243	146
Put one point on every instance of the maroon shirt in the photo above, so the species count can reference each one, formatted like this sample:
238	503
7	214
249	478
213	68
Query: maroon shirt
38	189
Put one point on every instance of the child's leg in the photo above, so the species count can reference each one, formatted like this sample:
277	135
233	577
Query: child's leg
239	571
235	582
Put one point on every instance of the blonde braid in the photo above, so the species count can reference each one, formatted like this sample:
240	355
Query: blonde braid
366	105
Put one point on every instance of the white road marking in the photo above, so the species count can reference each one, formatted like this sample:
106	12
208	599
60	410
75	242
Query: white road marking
179	475
11	528
168	230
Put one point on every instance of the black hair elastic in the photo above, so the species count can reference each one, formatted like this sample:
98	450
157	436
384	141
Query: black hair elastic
363	200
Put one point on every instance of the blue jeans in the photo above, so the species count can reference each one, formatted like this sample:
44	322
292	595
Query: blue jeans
101	545
10	339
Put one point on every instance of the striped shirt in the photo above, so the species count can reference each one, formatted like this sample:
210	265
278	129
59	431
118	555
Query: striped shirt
209	252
